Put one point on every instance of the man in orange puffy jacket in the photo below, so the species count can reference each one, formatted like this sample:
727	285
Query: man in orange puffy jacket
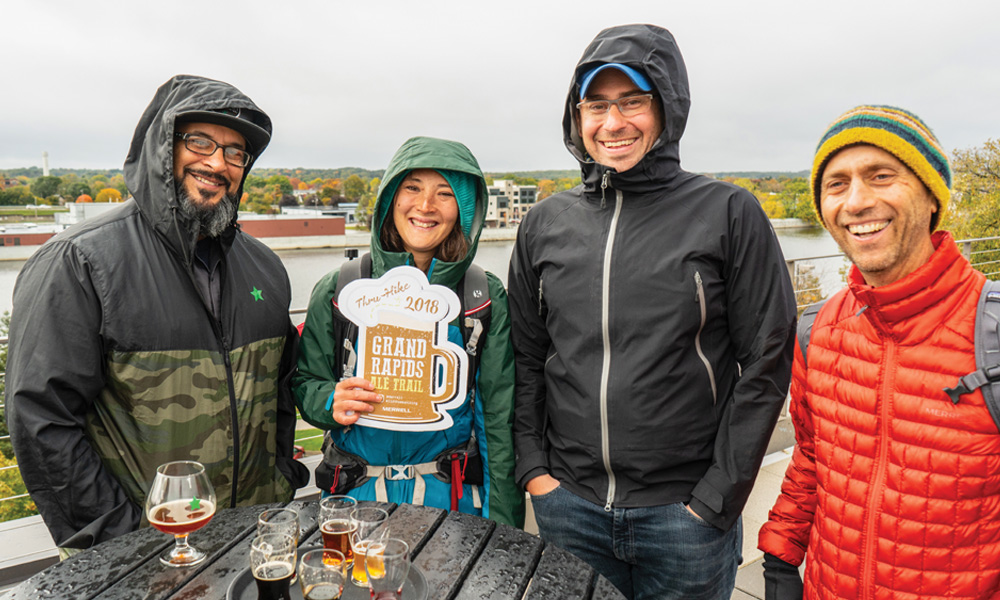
893	490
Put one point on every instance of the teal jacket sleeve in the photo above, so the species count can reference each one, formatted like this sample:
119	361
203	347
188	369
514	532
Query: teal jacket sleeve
496	388
317	372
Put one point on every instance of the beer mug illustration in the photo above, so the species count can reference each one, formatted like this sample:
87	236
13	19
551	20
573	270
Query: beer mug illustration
403	349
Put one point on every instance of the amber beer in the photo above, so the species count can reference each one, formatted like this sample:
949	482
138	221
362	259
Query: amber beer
177	517
337	536
358	574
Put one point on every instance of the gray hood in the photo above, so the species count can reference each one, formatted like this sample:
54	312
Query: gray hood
653	51
149	166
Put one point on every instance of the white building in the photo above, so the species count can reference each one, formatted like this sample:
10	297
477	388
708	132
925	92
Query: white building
81	211
344	209
509	202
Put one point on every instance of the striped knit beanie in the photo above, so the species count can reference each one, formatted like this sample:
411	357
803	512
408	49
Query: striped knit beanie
898	132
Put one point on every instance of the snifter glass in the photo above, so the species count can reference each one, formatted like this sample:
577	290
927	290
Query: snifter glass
181	500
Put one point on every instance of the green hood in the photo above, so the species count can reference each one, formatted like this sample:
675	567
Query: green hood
427	153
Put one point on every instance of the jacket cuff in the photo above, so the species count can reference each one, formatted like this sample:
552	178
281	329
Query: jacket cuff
707	503
528	466
296	473
523	482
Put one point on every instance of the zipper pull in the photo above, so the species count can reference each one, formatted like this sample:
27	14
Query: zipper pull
607	506
540	303
697	290
604	185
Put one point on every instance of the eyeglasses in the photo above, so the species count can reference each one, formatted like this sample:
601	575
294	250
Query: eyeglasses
199	144
629	106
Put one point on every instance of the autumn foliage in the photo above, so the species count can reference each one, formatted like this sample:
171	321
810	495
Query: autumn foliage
108	195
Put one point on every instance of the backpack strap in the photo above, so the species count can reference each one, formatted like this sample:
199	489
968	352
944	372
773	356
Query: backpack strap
343	328
351	271
804	330
474	294
987	373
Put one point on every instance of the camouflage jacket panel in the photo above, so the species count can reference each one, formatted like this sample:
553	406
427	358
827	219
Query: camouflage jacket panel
175	405
118	365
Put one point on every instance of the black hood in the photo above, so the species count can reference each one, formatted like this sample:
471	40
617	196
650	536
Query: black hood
653	51
149	167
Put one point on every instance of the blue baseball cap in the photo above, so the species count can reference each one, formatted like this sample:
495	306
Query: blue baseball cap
637	78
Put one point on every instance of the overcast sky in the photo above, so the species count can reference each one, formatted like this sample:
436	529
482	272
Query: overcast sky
345	83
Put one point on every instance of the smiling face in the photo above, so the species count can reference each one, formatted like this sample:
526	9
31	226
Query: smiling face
611	139
207	179
878	212
424	212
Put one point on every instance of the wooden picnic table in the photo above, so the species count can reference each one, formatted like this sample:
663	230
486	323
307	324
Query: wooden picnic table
459	555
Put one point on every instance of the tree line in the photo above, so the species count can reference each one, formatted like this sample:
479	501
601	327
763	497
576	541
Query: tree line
53	190
975	207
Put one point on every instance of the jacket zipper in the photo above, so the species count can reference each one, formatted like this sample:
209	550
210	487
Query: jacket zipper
700	298
540	301
220	336
605	332
227	359
235	419
874	504
604	186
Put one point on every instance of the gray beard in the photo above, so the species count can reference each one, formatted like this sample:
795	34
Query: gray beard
211	221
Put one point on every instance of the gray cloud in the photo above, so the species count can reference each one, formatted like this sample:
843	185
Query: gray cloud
345	85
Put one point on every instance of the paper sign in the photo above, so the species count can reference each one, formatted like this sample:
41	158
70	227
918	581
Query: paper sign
403	349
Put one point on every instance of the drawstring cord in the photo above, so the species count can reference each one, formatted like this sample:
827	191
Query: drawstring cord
336	477
457	477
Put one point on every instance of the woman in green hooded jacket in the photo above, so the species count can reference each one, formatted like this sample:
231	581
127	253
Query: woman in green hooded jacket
429	214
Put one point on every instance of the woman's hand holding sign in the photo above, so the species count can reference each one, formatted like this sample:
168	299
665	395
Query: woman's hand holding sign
351	396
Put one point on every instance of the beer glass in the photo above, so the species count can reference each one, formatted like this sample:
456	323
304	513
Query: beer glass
336	525
387	563
272	562
279	520
181	500
321	574
368	520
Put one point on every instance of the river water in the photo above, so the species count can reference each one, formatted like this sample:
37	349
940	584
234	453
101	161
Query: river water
306	267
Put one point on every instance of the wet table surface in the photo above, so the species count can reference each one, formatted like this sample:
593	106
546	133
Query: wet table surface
461	556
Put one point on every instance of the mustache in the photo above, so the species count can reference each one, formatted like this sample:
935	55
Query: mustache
217	177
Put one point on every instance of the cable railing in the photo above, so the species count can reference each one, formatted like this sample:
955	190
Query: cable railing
814	278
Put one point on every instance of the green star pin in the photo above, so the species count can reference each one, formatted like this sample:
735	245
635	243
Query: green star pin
195	504
257	294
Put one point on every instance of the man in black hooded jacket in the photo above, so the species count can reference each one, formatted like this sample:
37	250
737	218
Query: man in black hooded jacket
157	332
653	326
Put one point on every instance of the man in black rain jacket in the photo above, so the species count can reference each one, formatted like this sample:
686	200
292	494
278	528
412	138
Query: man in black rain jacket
653	326
157	332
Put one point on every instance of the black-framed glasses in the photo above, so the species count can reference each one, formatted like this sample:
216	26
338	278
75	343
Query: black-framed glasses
205	146
629	106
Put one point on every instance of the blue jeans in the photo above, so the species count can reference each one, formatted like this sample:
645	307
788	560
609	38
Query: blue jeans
651	552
